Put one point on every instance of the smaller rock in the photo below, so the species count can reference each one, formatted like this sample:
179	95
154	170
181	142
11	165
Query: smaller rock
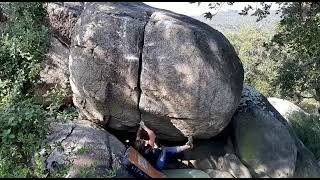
56	159
231	163
285	108
262	141
218	174
83	146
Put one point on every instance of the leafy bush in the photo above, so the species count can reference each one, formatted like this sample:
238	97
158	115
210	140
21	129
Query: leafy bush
56	97
22	47
309	105
23	126
307	128
259	67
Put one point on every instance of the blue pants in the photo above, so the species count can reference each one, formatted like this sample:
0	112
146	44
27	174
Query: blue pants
166	152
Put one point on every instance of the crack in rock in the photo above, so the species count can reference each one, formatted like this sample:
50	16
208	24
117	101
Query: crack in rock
180	118
55	147
140	69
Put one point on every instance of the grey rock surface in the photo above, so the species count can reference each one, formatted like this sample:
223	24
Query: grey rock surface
230	163
104	62
264	144
285	107
131	62
256	121
54	71
215	156
82	145
306	165
191	76
62	17
213	173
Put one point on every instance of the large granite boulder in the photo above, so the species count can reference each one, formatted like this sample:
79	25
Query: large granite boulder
82	146
266	143
131	62
190	76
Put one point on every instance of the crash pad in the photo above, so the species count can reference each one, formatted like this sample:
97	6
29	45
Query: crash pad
185	173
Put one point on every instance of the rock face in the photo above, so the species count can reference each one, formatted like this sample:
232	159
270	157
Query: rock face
62	18
190	76
262	142
266	143
131	62
218	174
306	165
231	163
215	158
55	69
84	147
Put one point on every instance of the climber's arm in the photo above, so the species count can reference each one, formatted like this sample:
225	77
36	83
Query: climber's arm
152	135
139	133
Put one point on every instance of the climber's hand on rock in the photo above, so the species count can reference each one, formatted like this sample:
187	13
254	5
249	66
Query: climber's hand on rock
142	125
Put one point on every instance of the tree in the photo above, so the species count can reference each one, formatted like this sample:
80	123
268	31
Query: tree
258	65
297	44
299	37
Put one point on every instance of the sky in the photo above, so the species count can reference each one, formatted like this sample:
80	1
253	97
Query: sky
193	9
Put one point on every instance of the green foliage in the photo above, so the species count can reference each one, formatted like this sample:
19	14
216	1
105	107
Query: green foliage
23	126
110	173
308	105
55	97
299	37
83	150
60	172
258	66
261	10
90	172
296	45
22	48
39	168
307	128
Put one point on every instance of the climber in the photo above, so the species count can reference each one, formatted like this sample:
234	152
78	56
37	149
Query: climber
157	156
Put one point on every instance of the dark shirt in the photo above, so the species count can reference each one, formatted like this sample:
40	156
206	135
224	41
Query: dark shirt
151	154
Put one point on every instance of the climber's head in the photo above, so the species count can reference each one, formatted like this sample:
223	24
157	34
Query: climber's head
139	145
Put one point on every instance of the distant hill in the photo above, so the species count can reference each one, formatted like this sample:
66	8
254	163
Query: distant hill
231	21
